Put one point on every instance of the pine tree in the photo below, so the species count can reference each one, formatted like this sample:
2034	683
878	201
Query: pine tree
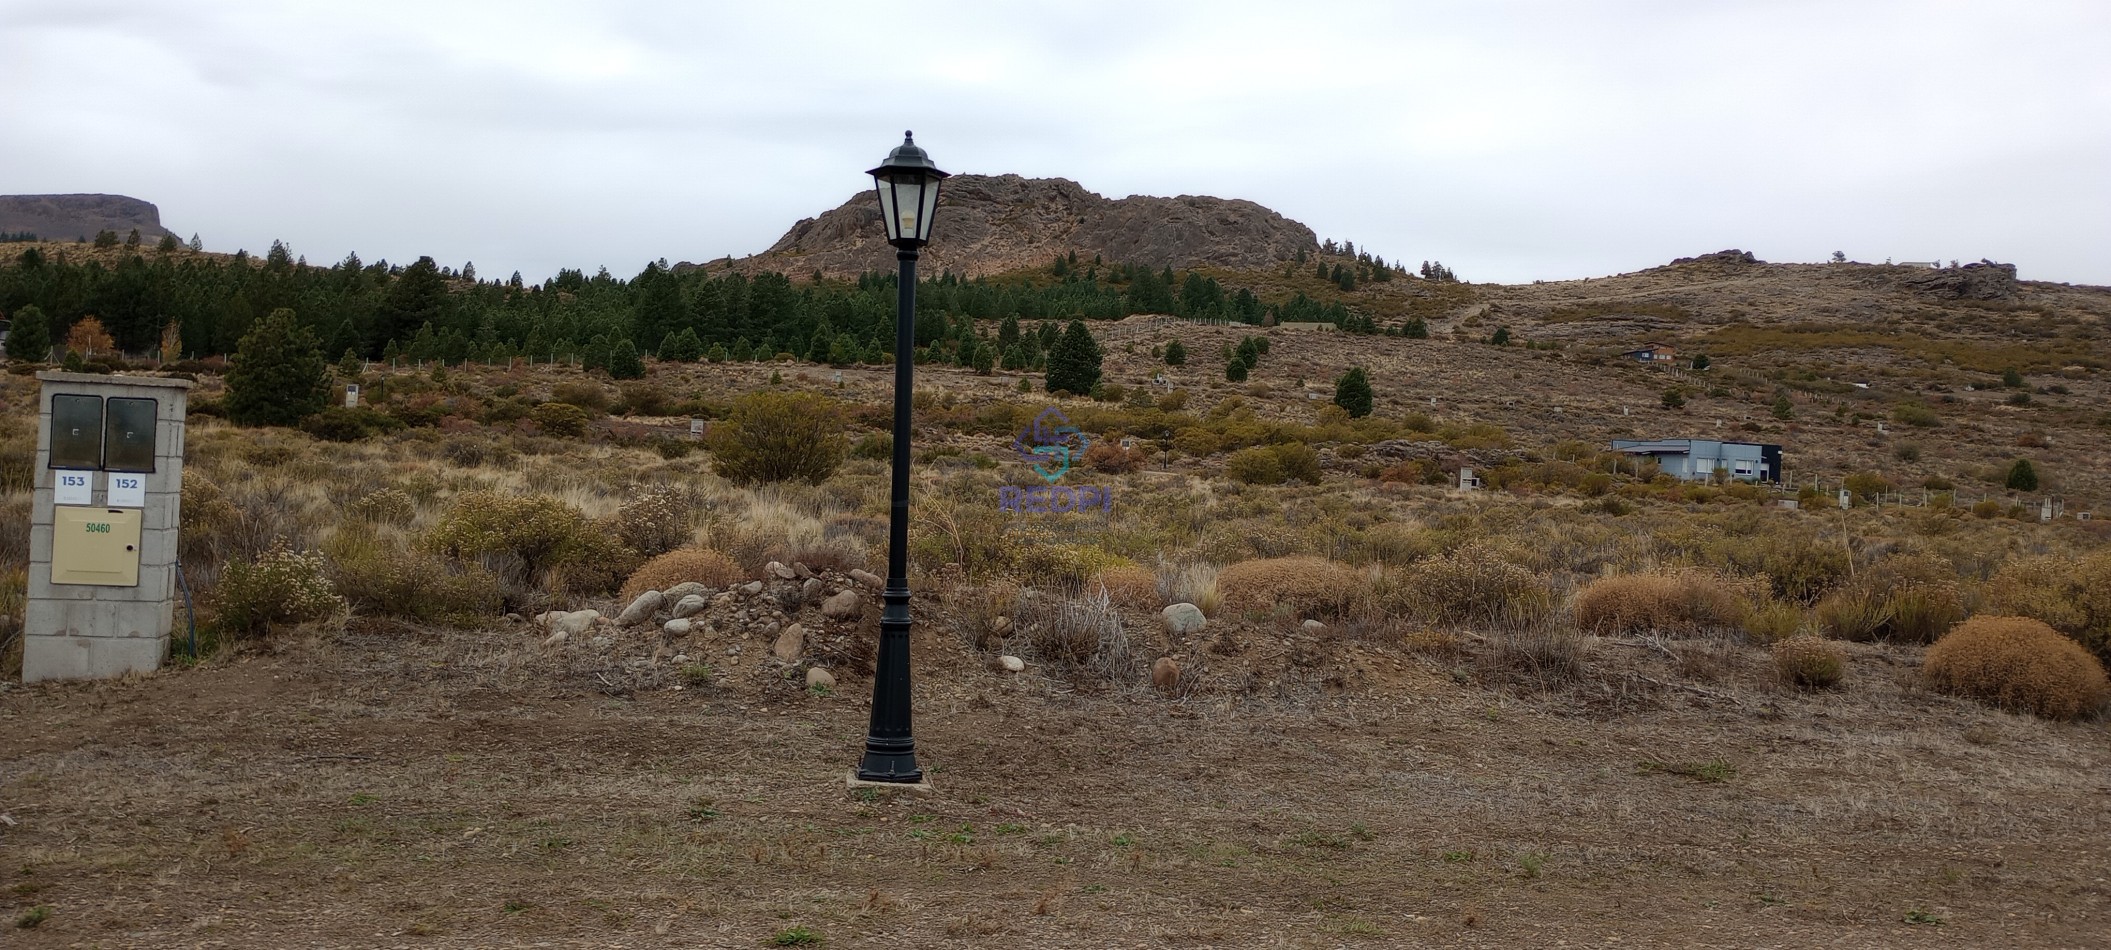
1074	361
1248	352
30	339
1235	371
279	375
1008	332
682	347
196	245
624	362
1175	354
2022	476
1352	392
1416	329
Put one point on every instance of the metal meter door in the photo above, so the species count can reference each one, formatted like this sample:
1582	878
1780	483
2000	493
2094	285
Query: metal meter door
76	431
128	434
95	546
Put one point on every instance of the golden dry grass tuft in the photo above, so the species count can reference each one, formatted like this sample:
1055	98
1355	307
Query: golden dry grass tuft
1307	586
702	565
2018	664
1810	662
1684	602
2071	594
1132	586
1475	584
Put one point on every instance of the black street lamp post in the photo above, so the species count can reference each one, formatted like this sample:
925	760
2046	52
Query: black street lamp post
908	189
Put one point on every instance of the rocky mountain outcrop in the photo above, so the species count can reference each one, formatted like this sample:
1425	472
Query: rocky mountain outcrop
1985	280
67	217
991	224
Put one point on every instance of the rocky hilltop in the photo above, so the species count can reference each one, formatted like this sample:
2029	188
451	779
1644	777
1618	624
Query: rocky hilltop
67	217
991	224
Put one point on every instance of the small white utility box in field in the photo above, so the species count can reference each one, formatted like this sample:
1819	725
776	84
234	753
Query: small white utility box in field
102	537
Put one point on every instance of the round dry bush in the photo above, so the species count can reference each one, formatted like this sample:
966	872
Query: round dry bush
1810	662
2018	664
1132	586
1475	584
1675	603
701	565
1308	586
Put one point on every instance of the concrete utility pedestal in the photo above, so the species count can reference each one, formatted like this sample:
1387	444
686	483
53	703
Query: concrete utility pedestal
102	537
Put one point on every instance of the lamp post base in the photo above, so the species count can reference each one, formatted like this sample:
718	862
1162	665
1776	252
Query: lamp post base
922	785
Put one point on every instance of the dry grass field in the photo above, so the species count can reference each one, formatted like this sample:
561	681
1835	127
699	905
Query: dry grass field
1557	710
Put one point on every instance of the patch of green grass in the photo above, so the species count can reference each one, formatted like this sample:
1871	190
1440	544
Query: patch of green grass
361	798
797	937
1458	857
1011	828
1359	927
1920	915
697	674
1124	840
1314	839
32	917
701	810
1713	771
516	906
1531	863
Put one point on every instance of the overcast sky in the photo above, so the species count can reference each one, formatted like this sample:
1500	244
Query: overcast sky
1512	141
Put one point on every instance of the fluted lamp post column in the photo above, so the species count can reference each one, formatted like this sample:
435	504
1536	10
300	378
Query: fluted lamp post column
907	183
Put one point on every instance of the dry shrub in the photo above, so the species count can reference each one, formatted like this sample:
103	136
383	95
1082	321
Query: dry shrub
14	594
2071	594
1909	598
2018	664
385	579
391	506
1082	632
1810	662
1306	586
657	521
1542	655
1131	586
774	436
1675	603
1108	456
280	587
701	565
1475	584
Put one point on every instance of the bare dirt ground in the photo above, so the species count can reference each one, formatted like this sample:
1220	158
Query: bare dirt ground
386	787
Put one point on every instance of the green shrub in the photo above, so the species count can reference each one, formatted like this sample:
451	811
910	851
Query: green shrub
385	579
534	543
2018	664
777	436
280	587
341	424
560	419
1916	415
1908	598
1258	465
1810	662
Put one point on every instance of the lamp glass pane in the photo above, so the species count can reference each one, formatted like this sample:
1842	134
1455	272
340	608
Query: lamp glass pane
929	204
909	190
885	186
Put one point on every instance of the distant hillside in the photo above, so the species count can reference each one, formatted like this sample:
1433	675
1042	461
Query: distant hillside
67	217
993	224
